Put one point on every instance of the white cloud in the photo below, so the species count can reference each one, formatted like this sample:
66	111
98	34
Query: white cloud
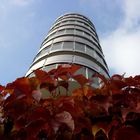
131	8
122	46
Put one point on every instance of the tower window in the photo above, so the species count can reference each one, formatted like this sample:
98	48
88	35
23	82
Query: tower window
68	45
78	32
87	35
79	47
49	67
90	51
81	71
56	46
70	31
60	32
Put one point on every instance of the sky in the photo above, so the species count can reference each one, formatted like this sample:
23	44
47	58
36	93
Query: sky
25	23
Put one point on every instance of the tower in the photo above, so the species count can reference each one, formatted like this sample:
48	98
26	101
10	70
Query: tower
71	40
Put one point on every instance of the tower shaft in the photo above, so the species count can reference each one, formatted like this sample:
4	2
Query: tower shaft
71	40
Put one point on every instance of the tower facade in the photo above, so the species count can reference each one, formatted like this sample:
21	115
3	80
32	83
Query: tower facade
71	40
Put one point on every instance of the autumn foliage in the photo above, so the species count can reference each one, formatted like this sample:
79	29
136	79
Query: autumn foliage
111	112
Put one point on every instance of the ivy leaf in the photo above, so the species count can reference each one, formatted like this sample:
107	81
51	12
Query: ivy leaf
34	127
8	125
15	107
112	110
74	68
43	76
82	125
103	79
66	118
87	91
102	100
65	102
40	74
118	82
127	133
82	80
63	84
20	122
37	94
1	88
100	135
65	72
20	86
34	83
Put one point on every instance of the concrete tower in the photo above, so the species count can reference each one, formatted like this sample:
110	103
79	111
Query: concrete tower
71	40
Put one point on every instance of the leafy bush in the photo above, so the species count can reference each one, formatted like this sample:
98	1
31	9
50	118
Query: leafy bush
111	112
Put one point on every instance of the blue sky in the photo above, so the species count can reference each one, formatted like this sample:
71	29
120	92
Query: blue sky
25	23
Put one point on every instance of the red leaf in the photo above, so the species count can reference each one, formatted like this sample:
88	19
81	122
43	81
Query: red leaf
35	126
20	86
100	135
82	80
70	105
117	77
82	123
74	68
1	88
71	68
117	81
127	133
43	76
34	83
40	112
40	74
20	123
137	77
78	92
88	91
37	94
63	84
64	102
52	71
130	81
65	72
15	107
103	79
66	118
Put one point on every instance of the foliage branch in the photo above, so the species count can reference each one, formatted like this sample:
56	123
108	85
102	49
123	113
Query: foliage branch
111	112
